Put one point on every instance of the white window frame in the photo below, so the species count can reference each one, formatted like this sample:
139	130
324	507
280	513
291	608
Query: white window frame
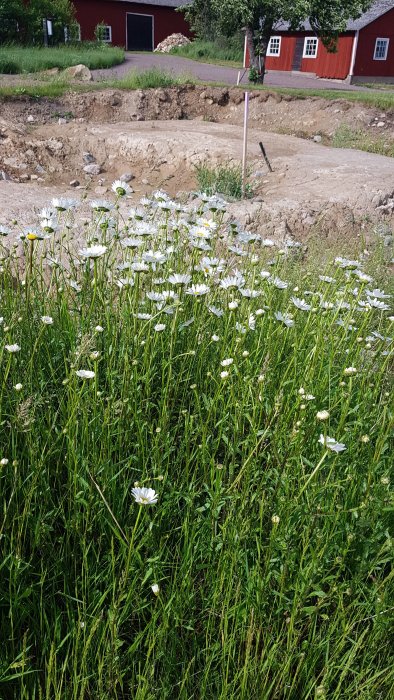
386	44
109	27
306	40
269	49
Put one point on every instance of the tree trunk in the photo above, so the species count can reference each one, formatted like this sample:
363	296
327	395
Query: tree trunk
253	58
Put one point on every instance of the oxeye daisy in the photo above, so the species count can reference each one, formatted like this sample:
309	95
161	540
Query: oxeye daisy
85	374
95	251
144	496
120	188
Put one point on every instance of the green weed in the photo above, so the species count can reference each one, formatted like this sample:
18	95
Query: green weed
223	179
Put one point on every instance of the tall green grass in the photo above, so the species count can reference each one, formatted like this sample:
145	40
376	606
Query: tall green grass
20	59
224	51
272	553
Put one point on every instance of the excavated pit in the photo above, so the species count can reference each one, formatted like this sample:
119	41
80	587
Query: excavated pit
159	136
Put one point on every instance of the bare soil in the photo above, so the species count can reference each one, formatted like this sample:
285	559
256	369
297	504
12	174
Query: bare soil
161	135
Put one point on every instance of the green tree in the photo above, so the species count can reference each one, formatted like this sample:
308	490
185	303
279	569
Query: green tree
12	15
259	18
61	12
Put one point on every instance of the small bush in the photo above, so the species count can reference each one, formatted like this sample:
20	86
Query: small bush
151	78
33	59
224	179
212	51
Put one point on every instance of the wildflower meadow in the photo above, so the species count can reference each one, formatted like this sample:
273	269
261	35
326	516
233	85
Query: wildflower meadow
195	460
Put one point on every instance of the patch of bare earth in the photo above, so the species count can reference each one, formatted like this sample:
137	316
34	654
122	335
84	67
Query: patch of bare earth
159	136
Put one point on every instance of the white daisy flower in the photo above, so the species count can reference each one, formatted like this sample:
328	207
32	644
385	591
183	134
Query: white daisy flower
85	374
154	256
301	304
227	362
95	251
278	283
331	444
224	374
120	188
101	205
215	338
265	274
322	415
131	243
284	318
197	290
216	311
144	496
267	243
155	588
324	278
350	371
13	348
63	203
233	305
159	327
47	320
376	304
4	231
377	293
178	279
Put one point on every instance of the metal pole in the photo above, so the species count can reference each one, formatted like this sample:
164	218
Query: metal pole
245	143
45	30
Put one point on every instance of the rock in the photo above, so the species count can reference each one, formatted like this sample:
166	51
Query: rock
88	158
40	170
30	119
317	138
92	169
79	72
381	124
100	190
5	176
145	181
33	177
388	241
61	121
126	177
74	183
24	178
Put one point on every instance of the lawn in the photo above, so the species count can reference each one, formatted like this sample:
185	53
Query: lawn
195	460
19	59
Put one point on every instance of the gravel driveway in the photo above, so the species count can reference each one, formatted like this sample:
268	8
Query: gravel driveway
208	72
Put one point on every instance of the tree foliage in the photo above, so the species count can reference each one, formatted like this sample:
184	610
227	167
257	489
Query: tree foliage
260	17
22	22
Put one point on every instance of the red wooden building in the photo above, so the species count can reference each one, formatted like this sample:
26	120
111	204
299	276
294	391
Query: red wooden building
138	25
365	51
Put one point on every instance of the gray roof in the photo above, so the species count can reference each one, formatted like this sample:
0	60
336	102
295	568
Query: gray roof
164	3
377	9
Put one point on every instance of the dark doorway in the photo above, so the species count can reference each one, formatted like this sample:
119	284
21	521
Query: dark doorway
298	51
139	32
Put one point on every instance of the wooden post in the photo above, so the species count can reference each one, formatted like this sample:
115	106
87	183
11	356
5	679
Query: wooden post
245	143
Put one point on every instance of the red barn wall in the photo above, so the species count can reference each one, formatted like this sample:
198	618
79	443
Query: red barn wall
383	28
325	65
90	13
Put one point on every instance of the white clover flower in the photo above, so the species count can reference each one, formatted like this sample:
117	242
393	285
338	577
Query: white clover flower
4	461
215	338
245	353
259	312
12	348
144	496
159	327
18	387
99	329
349	371
120	188
331	444
155	588
322	415
301	391
227	362
275	519
197	290
85	373
224	374
95	251
47	320
309	397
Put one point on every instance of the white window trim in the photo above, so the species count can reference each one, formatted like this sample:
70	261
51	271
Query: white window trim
309	38
387	41
269	52
108	26
67	33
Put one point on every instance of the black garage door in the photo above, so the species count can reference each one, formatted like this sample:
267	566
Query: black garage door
139	32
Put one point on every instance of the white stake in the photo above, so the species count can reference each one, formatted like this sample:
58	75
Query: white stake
245	144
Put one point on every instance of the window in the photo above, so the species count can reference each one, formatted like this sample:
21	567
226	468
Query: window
106	33
381	49
310	47
72	33
274	46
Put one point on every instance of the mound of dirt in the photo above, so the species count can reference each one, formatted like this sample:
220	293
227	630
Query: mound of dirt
311	188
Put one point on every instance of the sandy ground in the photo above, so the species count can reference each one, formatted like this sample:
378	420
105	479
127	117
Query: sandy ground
159	136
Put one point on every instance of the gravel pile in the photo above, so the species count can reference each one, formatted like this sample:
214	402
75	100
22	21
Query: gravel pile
170	43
